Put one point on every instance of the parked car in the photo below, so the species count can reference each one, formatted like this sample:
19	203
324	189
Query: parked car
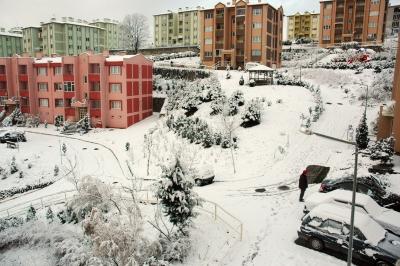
366	185
204	175
12	136
387	218
327	226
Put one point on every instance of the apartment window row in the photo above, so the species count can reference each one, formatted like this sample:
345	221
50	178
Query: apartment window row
257	25
327	27
208	41
209	29
209	15
326	38
116	105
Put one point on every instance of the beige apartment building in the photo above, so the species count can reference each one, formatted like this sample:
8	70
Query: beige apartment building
177	28
241	32
10	42
362	21
393	21
303	26
32	40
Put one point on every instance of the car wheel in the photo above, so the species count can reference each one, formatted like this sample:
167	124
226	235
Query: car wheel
382	263
316	244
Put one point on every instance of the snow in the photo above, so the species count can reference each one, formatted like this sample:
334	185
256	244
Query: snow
45	60
118	58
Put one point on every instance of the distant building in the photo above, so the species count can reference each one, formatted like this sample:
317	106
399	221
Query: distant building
362	21
113	38
392	20
115	90
303	26
10	43
177	28
32	40
389	115
241	32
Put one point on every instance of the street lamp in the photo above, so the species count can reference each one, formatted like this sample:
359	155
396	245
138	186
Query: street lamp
353	201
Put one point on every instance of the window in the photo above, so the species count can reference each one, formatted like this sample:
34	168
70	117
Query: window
58	71
116	105
208	54
374	13
95	104
326	27
42	71
2	69
58	86
256	52
44	102
208	41
209	15
209	29
95	86
59	102
256	11
375	2
115	70
257	25
3	100
115	88
69	86
326	38
42	87
372	25
240	11
256	39
332	227
328	6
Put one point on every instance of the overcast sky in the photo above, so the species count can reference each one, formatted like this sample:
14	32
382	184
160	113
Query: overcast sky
31	12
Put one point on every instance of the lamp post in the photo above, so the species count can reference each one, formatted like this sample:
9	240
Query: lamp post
353	201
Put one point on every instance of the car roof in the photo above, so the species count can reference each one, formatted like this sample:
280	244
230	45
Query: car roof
370	228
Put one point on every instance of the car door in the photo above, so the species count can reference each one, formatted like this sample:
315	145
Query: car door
334	237
359	245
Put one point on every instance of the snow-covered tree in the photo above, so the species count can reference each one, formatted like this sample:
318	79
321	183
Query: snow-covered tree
239	96
64	148
252	114
31	214
362	138
49	215
127	146
175	191
13	166
86	123
383	150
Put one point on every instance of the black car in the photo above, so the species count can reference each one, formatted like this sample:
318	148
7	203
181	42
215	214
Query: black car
13	137
326	227
368	185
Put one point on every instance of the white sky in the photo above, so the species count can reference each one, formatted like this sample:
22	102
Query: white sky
31	12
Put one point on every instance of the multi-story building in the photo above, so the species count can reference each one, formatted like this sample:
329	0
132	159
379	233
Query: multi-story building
116	90
392	20
177	28
389	115
362	21
32	40
241	32
303	26
10	43
112	32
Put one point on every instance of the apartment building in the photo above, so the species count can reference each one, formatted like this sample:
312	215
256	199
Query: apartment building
10	42
362	21
241	32
392	20
177	28
389	115
112	32
303	26
32	40
115	90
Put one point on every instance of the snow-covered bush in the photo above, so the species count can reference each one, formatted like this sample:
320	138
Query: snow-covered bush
10	222
14	191
241	81
362	138
217	104
176	195
252	83
252	114
176	248
56	170
239	96
49	215
31	214
382	150
381	88
232	106
13	166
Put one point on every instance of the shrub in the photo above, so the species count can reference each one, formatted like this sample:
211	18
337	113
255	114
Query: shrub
383	150
13	166
239	96
252	114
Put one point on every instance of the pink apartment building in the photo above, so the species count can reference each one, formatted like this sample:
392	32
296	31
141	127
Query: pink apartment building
115	90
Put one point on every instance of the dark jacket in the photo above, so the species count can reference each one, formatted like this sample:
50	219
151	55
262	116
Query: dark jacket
303	183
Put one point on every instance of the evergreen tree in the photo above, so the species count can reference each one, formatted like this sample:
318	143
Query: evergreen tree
31	215
176	195
86	123
127	146
13	166
362	134
50	215
64	148
383	150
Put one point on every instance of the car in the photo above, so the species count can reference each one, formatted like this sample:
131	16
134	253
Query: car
203	175
12	136
327	227
369	185
387	218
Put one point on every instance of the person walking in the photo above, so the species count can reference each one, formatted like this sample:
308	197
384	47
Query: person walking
303	185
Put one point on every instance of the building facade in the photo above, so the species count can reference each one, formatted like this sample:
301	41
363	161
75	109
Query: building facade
241	32
10	43
116	91
112	39
389	115
303	26
177	28
362	21
392	20
32	40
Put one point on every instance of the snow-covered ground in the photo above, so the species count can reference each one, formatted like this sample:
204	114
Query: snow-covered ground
271	219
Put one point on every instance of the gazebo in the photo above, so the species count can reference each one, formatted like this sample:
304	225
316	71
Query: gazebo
262	75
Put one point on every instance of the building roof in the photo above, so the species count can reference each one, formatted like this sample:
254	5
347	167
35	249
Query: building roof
179	11
394	2
118	58
261	68
249	4
304	14
11	34
72	23
45	60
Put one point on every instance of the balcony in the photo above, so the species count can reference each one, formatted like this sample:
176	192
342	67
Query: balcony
94	77
23	77
24	93
94	95
3	77
68	77
69	94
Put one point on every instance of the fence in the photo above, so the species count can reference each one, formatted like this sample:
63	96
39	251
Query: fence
144	196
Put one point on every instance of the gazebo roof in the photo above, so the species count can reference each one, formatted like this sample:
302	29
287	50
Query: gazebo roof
261	68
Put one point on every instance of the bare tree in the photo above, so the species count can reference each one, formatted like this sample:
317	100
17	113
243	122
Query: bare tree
135	31
230	124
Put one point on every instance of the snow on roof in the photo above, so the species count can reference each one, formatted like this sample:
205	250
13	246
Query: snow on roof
118	58
11	34
371	229
394	2
261	68
45	60
72	23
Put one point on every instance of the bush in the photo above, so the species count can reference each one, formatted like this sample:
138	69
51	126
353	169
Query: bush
382	150
239	96
241	81
13	166
176	248
252	83
252	114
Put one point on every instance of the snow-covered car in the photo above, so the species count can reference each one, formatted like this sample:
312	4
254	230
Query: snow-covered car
204	176
388	219
12	136
327	226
